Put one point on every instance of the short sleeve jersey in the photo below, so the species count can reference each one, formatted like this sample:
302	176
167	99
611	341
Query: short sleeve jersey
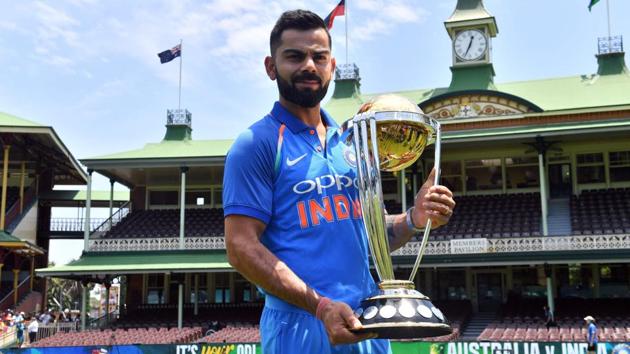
592	333
277	171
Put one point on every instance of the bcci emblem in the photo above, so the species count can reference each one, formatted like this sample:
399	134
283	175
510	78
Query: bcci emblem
350	157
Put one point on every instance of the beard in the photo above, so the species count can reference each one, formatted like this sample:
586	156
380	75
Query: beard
304	98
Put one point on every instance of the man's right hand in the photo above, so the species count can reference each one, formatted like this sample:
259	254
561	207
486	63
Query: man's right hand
338	320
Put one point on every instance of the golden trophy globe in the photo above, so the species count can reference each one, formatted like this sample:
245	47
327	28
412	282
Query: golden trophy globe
390	133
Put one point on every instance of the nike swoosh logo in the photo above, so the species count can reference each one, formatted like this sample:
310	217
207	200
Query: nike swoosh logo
295	160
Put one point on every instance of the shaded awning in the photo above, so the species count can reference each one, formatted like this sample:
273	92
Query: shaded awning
98	265
72	198
17	245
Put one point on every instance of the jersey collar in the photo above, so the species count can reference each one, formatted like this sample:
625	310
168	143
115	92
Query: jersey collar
293	123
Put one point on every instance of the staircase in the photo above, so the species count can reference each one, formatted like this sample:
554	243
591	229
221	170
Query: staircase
30	303
478	322
559	218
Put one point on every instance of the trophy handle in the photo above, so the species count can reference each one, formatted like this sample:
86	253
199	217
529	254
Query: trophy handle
427	228
370	193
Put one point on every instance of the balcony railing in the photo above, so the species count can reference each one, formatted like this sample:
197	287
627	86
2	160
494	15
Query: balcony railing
490	245
74	224
609	45
107	224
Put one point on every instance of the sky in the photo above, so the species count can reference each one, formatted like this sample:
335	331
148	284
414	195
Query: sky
90	69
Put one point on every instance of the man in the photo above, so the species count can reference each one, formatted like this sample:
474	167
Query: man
292	217
591	334
33	328
18	322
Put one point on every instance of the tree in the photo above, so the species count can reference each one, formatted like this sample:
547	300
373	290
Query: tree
64	293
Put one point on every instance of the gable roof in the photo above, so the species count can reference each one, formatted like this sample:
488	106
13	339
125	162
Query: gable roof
554	94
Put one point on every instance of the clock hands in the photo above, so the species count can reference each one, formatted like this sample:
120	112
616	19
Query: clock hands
469	44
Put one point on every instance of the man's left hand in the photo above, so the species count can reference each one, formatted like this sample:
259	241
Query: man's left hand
434	202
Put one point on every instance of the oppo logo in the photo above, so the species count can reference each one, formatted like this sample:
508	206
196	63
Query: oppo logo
323	182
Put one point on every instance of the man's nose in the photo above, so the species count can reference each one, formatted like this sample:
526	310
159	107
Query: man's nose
309	63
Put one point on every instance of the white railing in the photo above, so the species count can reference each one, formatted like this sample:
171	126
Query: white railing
156	244
44	331
7	336
529	244
496	245
108	223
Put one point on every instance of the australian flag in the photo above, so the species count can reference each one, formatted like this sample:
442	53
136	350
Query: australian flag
170	54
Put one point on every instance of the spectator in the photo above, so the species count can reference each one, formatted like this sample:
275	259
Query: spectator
46	317
18	322
591	334
65	316
32	328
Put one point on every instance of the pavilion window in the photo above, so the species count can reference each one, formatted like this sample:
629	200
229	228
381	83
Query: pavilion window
452	175
198	198
522	172
155	289
217	197
619	166
163	198
590	168
485	174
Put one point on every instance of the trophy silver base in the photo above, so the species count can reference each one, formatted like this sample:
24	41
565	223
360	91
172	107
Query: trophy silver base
398	311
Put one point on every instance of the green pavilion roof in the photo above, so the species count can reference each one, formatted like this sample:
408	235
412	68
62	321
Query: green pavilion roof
17	244
172	149
13	121
555	94
47	138
94	264
73	195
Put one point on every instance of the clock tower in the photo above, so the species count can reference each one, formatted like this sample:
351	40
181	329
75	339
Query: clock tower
471	29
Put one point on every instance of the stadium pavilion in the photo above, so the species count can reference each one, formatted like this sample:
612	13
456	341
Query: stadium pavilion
34	161
540	169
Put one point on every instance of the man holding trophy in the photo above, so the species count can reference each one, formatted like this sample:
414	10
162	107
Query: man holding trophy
302	198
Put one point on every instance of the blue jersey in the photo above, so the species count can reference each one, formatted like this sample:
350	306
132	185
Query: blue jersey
592	333
278	172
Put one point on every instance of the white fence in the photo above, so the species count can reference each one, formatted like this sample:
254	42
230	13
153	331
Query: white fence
494	245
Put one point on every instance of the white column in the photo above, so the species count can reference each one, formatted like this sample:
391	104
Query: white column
111	202
503	177
196	308
180	305
88	206
550	302
182	208
22	177
548	269
83	304
5	177
543	193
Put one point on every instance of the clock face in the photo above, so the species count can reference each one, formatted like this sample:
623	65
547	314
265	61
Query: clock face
470	44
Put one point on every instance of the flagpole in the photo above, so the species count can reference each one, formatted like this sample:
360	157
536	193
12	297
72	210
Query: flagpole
346	11
179	102
608	16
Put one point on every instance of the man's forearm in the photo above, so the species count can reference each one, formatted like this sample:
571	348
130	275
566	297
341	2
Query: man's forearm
398	232
256	263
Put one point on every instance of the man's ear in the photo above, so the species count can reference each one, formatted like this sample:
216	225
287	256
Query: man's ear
333	62
270	67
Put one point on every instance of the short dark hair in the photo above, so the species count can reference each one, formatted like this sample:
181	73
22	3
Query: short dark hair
302	20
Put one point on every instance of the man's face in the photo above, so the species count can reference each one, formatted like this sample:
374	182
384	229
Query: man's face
302	66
